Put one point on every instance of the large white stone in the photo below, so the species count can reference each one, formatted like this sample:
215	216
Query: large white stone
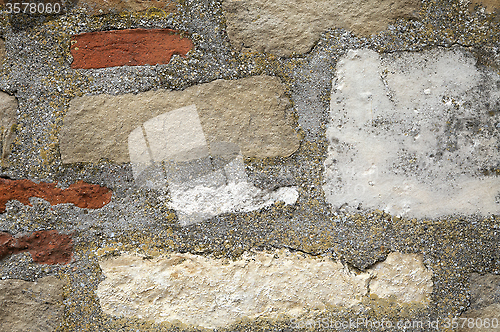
410	134
208	292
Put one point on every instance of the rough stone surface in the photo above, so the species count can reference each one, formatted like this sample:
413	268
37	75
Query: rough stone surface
250	112
403	277
45	247
8	119
101	7
283	27
214	293
489	5
139	219
2	50
484	303
83	195
131	47
31	306
405	138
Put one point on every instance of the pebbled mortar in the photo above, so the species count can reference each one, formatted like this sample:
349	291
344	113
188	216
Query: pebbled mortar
137	219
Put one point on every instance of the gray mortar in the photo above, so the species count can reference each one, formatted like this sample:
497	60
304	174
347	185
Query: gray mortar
38	73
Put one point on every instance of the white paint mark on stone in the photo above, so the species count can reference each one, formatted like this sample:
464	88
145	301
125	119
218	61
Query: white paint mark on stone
198	190
201	291
410	153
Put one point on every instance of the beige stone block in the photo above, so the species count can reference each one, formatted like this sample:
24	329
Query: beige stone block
8	119
176	136
213	292
483	313
30	306
250	113
2	50
402	277
286	26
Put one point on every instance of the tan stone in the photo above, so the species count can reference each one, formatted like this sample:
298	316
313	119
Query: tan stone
489	5
249	112
30	306
8	107
403	277
283	26
484	304
97	7
2	50
208	292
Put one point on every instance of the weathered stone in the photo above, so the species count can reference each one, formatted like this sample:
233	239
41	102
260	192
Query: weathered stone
213	292
131	47
8	120
414	134
83	195
402	277
2	50
485	304
489	5
249	112
207	292
45	247
283	27
31	306
98	7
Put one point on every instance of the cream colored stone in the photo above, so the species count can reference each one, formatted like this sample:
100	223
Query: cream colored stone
213	293
408	134
250	113
403	277
30	306
286	26
176	135
8	108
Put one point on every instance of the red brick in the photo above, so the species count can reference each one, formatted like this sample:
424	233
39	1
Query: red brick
132	47
45	247
81	194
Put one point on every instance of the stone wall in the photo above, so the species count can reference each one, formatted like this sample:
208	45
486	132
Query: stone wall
250	165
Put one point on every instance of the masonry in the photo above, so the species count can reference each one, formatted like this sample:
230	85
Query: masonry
250	165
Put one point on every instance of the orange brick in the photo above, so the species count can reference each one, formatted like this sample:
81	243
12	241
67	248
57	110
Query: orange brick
132	47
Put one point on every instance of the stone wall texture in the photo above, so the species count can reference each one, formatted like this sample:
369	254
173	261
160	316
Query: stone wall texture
31	306
250	165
